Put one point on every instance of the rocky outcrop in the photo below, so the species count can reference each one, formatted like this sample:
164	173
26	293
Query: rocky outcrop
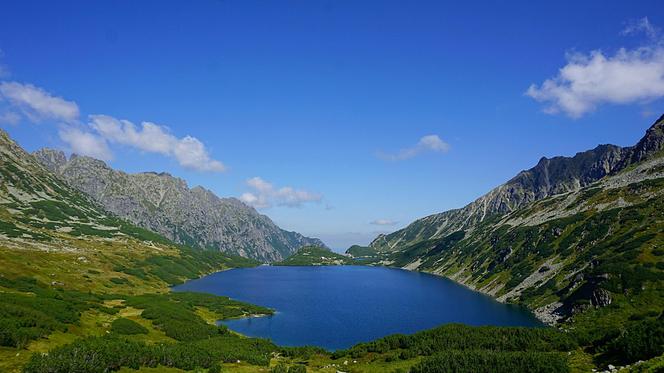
166	205
651	144
600	298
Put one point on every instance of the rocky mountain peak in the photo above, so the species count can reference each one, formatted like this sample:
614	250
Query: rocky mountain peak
88	161
52	159
165	204
651	144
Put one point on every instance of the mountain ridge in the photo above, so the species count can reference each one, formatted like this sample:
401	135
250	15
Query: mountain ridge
167	205
570	244
550	176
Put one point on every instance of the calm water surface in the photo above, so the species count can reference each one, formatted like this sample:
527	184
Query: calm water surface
339	306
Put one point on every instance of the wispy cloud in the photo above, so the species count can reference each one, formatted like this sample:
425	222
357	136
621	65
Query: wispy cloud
428	143
9	117
641	25
36	104
589	80
189	152
265	195
384	222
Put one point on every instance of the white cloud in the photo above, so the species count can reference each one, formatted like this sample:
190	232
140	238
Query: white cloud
37	104
265	195
384	222
191	153
85	143
188	151
587	81
9	117
260	185
428	143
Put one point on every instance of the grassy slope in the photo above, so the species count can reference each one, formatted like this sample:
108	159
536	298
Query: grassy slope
99	278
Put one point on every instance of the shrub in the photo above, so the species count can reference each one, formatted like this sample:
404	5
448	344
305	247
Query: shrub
642	340
174	313
297	369
492	361
107	354
461	337
279	368
127	327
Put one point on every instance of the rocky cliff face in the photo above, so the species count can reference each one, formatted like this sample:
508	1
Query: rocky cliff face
166	205
548	178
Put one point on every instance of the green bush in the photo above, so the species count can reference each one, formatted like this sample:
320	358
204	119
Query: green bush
119	280
92	355
28	317
297	369
303	352
642	340
108	354
279	368
461	337
492	361
127	327
175	313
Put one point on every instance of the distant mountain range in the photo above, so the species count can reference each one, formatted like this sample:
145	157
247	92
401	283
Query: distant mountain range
563	235
166	205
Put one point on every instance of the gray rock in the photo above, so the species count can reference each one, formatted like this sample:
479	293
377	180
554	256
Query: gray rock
600	298
166	205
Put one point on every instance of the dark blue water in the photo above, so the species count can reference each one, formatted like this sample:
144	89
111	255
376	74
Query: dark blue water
337	307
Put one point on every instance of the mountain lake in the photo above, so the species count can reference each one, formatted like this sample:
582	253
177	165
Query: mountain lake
335	307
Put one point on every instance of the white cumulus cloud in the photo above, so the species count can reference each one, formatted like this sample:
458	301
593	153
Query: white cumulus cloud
589	80
85	143
428	143
150	137
265	195
37	104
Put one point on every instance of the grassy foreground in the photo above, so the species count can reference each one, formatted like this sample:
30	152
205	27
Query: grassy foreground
113	311
106	306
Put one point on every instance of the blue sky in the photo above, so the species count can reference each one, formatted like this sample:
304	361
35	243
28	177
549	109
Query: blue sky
338	119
